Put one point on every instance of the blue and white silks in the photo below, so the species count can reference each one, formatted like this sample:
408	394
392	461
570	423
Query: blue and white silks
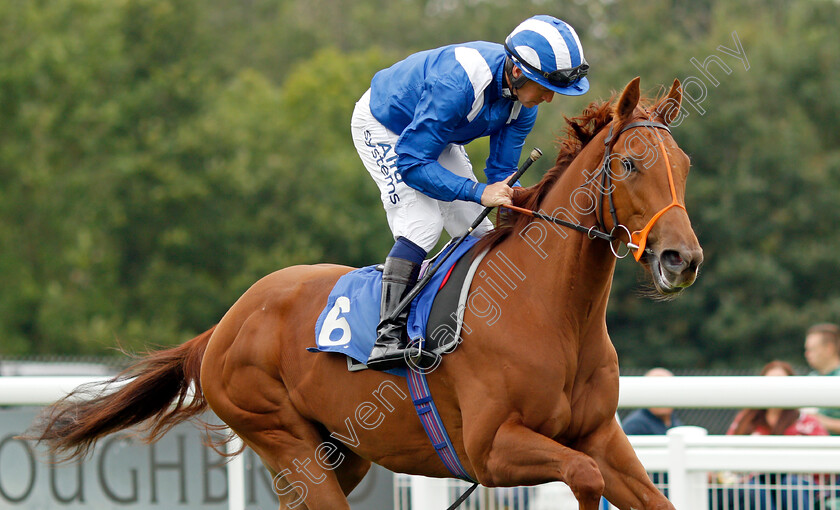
451	95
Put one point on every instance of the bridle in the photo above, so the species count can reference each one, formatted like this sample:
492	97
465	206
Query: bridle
637	240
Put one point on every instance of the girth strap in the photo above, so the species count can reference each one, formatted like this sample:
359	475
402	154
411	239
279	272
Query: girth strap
433	425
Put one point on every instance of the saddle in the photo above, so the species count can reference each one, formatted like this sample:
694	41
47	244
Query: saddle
348	322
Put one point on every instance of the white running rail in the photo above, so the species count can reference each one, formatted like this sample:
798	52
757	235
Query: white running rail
688	455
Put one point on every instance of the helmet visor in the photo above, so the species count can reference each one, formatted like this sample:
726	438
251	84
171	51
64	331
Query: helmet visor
559	78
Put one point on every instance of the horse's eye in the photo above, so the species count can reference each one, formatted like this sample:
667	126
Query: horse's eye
629	165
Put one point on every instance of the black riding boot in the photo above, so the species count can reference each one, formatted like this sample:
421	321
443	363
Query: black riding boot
398	277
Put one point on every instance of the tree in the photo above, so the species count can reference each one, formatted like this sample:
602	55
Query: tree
157	157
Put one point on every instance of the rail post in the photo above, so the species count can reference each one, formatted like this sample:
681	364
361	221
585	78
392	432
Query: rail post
686	489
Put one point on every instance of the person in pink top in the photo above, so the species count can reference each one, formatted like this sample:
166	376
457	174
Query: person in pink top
770	491
776	422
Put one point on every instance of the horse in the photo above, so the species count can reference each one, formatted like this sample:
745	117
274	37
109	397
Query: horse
528	397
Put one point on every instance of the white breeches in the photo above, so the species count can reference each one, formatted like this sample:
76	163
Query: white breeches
412	214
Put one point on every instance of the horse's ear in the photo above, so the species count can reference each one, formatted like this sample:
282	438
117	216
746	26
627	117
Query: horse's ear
669	108
628	100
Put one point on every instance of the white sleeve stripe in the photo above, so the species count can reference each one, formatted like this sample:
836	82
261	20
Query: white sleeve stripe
479	74
514	112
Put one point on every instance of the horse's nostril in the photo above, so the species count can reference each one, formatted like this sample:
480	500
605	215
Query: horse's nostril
673	261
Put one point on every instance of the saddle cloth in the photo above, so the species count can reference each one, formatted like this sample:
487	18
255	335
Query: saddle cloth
347	325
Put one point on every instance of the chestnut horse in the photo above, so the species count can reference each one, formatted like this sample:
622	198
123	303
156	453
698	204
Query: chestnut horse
529	396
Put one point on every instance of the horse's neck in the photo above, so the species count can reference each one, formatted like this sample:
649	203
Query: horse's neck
567	265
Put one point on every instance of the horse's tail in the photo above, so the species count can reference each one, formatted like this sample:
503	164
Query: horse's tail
162	387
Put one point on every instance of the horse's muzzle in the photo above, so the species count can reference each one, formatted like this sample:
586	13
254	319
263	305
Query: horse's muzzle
674	269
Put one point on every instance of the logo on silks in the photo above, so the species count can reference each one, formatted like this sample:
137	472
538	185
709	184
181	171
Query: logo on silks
387	165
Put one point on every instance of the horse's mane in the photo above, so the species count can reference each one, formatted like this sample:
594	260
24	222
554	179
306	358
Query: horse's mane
578	132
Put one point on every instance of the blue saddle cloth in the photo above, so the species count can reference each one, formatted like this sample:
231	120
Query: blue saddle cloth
348	323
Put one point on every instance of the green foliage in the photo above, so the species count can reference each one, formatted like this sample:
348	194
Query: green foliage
157	157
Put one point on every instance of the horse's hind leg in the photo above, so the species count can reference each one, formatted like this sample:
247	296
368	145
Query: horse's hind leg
298	479
302	463
350	472
240	381
352	469
285	491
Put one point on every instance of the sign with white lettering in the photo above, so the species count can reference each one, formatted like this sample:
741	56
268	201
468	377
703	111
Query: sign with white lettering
177	472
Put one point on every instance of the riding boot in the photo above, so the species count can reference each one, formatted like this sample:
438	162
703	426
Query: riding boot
398	277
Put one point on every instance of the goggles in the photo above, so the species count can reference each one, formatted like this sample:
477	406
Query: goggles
558	78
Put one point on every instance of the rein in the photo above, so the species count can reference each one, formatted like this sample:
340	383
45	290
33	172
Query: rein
637	240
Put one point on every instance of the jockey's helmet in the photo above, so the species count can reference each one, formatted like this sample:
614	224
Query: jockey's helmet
548	51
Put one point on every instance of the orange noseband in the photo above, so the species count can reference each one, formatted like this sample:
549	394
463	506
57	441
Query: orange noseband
638	239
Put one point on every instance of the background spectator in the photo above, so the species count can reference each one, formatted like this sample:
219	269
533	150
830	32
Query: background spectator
822	351
654	420
788	422
776	422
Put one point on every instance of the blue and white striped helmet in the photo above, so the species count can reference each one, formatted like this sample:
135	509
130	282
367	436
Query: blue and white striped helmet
549	52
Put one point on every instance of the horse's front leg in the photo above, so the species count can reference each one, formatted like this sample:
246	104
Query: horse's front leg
627	484
519	456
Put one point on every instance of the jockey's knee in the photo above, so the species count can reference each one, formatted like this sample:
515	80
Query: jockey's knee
424	232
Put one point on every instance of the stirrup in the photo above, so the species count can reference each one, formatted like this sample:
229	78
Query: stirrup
424	361
421	360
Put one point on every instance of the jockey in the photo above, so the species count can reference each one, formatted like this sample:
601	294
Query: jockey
410	128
